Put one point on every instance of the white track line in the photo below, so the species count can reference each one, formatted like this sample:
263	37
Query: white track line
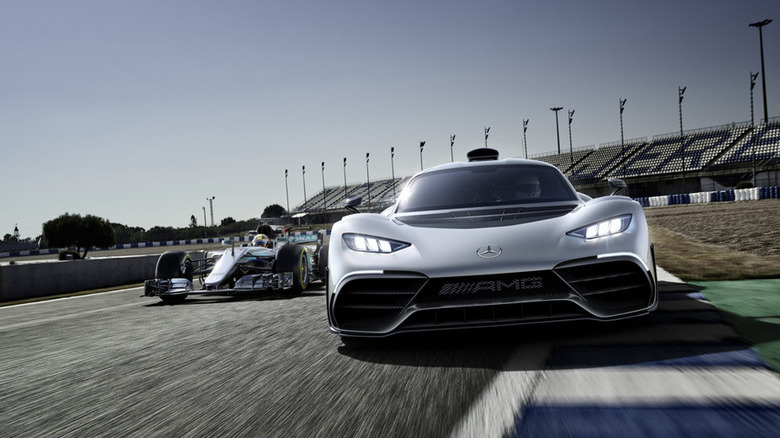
495	410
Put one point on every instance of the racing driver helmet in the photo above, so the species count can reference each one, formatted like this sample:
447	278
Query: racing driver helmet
261	240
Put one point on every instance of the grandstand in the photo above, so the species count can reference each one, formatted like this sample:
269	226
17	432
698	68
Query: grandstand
567	160
719	155
604	160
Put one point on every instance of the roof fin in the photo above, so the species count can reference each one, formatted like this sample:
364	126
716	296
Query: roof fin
482	154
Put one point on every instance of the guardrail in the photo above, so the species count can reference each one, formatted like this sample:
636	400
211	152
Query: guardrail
751	194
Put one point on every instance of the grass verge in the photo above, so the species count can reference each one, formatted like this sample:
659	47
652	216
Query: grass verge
753	308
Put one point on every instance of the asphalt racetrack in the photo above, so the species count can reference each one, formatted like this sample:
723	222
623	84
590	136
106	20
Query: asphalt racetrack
116	364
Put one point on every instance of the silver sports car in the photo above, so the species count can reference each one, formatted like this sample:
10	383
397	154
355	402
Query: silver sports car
488	243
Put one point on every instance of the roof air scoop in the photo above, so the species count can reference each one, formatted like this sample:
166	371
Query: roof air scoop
482	154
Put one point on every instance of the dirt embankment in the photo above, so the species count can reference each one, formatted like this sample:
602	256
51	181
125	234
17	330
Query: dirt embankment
730	240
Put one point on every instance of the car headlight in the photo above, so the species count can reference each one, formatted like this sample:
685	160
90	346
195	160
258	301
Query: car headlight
609	227
361	243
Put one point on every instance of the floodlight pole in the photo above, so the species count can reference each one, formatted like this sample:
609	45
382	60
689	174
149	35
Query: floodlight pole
753	123
557	129
622	141
422	145
571	146
760	25
205	223
452	143
392	169
680	92
303	175
345	179
525	144
287	192
368	183
324	204
211	207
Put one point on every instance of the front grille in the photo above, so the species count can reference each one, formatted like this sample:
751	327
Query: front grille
371	303
610	287
488	289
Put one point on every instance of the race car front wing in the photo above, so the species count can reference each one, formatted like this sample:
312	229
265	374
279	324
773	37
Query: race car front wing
245	284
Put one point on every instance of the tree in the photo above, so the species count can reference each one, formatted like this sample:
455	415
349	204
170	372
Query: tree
227	221
82	232
193	221
273	210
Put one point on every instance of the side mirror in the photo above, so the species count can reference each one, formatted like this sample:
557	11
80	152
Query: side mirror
619	185
351	204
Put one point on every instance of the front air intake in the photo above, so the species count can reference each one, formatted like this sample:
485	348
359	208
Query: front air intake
610	287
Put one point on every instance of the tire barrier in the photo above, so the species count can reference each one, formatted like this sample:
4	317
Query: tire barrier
751	194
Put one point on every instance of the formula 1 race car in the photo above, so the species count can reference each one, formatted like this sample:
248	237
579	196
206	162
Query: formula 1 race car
264	265
488	243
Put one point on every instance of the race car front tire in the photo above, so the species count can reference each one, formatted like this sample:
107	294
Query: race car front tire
293	258
173	264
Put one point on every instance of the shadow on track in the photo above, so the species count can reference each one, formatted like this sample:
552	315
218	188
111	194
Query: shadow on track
662	338
196	299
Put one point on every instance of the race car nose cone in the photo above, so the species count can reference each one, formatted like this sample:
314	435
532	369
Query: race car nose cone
489	251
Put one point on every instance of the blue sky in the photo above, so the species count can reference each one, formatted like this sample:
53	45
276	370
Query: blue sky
135	111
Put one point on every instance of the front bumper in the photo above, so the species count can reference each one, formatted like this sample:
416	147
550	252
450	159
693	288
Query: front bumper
599	288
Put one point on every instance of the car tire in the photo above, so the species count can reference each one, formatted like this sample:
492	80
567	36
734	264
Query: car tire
322	263
293	258
173	264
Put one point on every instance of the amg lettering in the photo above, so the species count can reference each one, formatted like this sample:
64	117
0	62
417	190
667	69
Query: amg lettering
466	288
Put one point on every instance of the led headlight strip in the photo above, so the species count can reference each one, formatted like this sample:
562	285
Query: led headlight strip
608	227
361	243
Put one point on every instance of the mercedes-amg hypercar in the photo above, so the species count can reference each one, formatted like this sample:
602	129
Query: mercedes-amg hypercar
489	242
264	265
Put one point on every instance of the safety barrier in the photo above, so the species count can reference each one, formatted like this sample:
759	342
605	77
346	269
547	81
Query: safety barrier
751	194
35	252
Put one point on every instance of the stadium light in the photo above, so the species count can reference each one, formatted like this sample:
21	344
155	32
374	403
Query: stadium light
525	144
368	183
760	25
680	92
753	122
422	144
571	146
452	143
557	129
305	207
487	130
622	141
324	204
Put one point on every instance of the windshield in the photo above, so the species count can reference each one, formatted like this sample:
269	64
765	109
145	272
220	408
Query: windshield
480	186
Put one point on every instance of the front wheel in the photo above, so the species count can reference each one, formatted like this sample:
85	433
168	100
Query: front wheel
293	258
173	264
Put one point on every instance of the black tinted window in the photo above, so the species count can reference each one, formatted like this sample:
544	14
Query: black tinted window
485	186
